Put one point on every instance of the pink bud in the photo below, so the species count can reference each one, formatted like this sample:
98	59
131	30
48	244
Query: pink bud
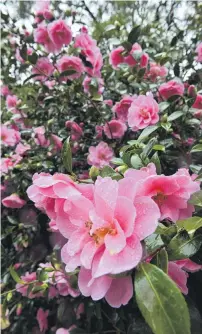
192	92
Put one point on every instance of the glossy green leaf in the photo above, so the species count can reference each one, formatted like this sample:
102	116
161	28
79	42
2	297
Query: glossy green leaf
163	106
191	224
15	276
23	52
196	148
161	260
117	161
136	162
160	301
134	34
182	246
175	115
159	147
67	156
196	198
153	242
67	73
33	58
147	131
155	159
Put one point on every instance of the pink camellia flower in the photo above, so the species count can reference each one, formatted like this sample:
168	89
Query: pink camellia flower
114	129
41	36
21	149
50	83
57	142
43	11
100	155
156	71
108	103
40	138
117	291
70	63
13	201
191	91
76	130
5	91
93	84
7	164
11	102
99	131
108	230
116	57
198	114
60	33
121	107
44	68
144	60
130	60
171	193
9	137
171	88
90	51
18	56
189	265
64	330
143	112
198	102
199	51
42	319
189	141
47	192
23	288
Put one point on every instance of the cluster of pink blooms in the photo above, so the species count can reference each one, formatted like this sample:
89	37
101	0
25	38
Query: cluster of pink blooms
106	221
59	284
117	57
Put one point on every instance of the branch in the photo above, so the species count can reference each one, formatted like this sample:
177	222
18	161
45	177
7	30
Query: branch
89	12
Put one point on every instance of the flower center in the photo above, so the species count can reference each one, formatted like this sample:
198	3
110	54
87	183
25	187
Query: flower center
99	234
144	113
3	137
159	198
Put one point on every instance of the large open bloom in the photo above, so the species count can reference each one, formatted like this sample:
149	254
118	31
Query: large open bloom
143	112
59	33
44	68
156	71
198	102
72	64
114	129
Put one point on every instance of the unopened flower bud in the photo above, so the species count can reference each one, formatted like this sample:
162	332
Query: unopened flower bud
94	172
192	92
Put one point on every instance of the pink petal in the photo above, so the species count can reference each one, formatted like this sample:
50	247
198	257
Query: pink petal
65	227
100	287
106	191
72	262
127	188
77	241
127	259
125	214
179	276
120	291
147	217
115	243
87	254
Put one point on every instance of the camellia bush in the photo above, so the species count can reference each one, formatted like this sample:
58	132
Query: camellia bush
101	167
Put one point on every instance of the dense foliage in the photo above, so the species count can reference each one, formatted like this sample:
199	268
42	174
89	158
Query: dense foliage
101	167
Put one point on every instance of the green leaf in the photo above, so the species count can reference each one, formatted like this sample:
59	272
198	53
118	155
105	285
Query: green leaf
23	52
134	34
137	55
67	155
77	331
30	77
196	198
109	28
191	224
107	171
155	159
159	147
67	73
182	246
33	58
9	296
175	115
161	260
153	242
127	46
163	106
147	131
136	162
15	276
117	161
97	97
196	148
148	148
160	301
166	126
176	70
